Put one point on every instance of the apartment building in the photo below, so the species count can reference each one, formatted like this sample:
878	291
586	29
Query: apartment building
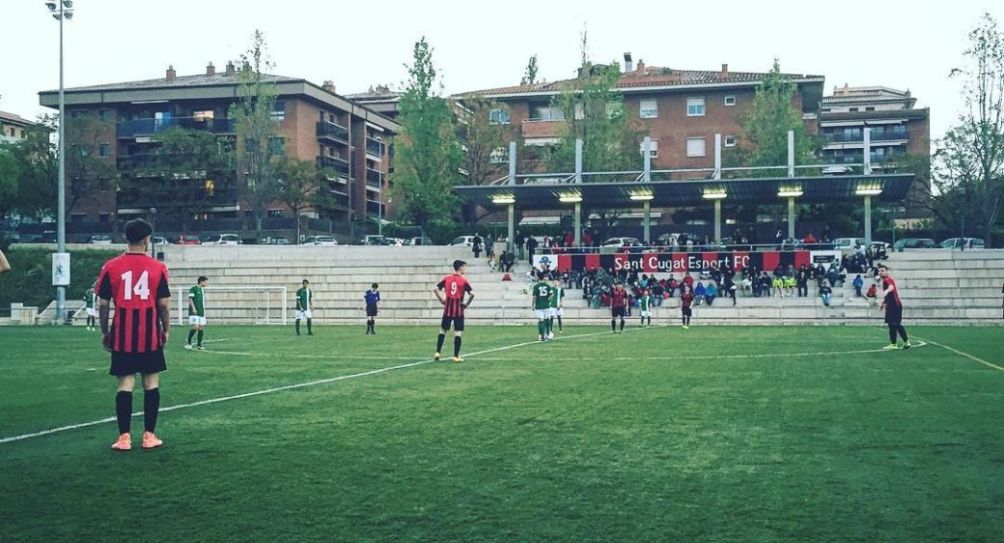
13	127
681	110
314	123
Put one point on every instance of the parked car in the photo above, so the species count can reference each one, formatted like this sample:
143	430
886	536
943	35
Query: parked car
374	239
463	240
418	241
188	239
621	242
848	245
320	240
159	240
221	239
275	241
914	243
962	243
101	239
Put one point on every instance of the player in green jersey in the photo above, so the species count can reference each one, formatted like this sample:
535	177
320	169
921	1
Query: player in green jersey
304	305
90	303
645	305
542	305
554	311
197	313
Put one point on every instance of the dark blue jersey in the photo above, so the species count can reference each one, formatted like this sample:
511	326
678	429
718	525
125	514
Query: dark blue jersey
372	297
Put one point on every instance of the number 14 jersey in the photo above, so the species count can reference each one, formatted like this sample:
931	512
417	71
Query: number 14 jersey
134	282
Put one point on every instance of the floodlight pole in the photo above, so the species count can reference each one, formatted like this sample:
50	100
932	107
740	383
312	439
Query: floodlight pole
867	150
511	243
61	11
647	177
578	181
791	175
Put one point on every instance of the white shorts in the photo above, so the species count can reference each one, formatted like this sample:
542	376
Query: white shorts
92	312
554	312
646	313
542	313
196	320
305	314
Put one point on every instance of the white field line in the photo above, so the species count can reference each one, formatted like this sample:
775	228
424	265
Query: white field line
277	389
967	355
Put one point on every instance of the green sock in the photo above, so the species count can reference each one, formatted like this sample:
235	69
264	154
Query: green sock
540	328
198	337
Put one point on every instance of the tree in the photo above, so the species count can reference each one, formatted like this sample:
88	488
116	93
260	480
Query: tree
256	128
87	172
485	141
530	74
970	158
10	172
298	184
429	158
38	169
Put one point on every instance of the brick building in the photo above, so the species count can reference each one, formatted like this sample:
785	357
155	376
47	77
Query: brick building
13	127
681	110
348	140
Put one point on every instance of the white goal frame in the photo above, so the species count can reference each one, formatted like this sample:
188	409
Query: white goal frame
270	291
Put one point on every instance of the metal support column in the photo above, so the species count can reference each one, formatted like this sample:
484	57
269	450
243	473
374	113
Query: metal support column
718	156
578	161
867	151
647	222
791	153
791	218
512	228
646	146
578	224
718	220
868	219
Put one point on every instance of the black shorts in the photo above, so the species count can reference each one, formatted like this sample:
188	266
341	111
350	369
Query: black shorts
617	311
687	312
894	314
457	322
133	363
371	310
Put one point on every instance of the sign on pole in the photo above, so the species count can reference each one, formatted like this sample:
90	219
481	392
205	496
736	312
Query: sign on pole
60	269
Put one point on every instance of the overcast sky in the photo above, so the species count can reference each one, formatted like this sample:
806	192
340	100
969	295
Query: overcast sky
899	44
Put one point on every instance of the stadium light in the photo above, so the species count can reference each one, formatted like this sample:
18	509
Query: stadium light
868	190
504	199
641	197
718	194
792	192
570	198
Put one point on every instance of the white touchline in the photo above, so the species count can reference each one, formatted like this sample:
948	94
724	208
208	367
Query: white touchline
277	389
967	355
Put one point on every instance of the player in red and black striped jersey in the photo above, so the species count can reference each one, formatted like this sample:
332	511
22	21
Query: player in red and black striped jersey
137	284
450	292
893	309
618	306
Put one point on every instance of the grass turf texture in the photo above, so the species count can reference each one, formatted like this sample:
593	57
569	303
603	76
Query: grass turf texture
711	434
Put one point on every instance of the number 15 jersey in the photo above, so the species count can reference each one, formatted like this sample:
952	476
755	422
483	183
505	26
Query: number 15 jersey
134	282
456	286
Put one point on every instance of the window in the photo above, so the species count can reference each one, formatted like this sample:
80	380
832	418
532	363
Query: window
104	150
580	111
499	156
730	101
546	113
78	218
204	115
649	109
730	141
104	114
279	111
695	147
12	132
853	110
276	146
653	149
695	107
276	213
498	116
870	108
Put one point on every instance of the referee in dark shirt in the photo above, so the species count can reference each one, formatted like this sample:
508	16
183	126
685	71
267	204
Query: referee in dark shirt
372	298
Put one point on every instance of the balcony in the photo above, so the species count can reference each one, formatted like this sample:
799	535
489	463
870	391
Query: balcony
543	128
332	132
858	136
148	127
374	148
374	178
142	196
339	165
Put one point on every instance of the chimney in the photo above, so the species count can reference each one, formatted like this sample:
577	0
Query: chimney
329	86
725	70
230	68
641	66
171	75
628	62
210	69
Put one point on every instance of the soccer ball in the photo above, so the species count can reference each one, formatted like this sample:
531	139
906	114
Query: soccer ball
524	292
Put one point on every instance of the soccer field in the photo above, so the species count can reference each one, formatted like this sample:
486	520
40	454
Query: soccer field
660	434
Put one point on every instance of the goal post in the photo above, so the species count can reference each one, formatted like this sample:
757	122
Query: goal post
239	305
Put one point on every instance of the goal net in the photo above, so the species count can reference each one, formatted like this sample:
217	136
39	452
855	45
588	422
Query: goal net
239	305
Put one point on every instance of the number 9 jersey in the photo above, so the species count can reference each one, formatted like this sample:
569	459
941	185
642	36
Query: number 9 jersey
134	283
455	286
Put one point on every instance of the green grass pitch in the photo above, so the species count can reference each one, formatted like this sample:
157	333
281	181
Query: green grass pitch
661	434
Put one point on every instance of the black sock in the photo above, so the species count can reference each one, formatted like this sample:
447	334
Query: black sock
191	334
688	321
199	336
892	334
902	332
613	324
456	346
297	329
559	323
151	408
309	325
622	324
439	343
650	321
684	319
123	410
